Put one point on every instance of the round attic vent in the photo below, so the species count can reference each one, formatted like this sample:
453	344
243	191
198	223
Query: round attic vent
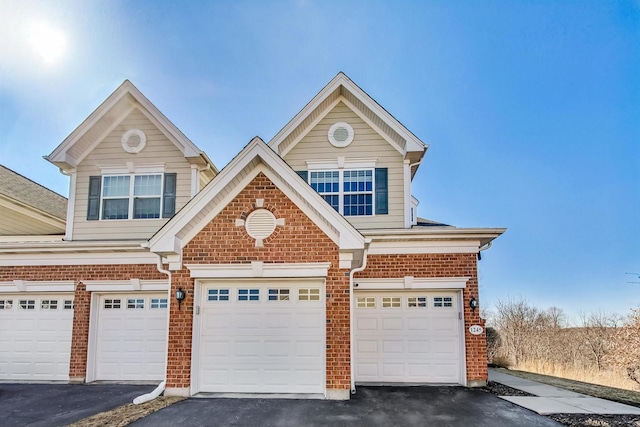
260	224
133	141
340	135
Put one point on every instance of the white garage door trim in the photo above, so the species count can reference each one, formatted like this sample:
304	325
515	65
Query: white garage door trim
35	336
294	286
401	310
160	302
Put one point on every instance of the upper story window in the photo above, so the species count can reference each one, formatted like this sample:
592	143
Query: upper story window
131	196
350	192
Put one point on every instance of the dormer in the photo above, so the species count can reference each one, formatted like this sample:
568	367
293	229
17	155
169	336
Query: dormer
355	154
130	169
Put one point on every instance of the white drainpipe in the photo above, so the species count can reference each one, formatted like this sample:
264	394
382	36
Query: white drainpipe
351	314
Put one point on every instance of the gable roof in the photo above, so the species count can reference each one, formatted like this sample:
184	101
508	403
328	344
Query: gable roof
107	116
255	158
27	192
342	89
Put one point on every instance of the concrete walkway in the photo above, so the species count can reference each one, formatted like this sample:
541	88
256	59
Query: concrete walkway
554	400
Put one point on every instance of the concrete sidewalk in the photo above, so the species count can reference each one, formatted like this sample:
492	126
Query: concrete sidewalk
554	400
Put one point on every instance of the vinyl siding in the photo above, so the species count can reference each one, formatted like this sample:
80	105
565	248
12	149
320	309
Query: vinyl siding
14	223
109	153
367	143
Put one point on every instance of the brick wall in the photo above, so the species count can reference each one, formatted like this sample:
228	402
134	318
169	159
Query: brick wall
441	265
82	299
298	241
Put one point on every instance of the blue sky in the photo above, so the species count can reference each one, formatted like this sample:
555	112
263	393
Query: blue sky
531	108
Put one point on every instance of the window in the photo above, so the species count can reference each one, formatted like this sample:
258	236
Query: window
417	302
312	294
68	304
135	303
27	304
113	197
158	303
111	303
218	295
390	302
49	304
349	192
278	294
248	294
6	304
366	302
442	302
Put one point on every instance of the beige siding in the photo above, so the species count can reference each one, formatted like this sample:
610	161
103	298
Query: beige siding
367	143
109	153
14	223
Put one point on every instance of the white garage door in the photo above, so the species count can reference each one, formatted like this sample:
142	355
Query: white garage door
262	338
408	337
35	337
131	340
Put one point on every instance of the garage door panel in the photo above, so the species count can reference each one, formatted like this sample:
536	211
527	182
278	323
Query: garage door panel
131	337
418	342
261	346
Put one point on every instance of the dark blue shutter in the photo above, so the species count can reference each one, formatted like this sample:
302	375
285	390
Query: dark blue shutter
382	191
169	196
93	208
304	175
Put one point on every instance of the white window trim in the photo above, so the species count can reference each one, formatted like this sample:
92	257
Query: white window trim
341	193
131	197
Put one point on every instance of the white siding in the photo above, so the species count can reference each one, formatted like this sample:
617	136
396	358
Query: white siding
14	223
109	153
367	143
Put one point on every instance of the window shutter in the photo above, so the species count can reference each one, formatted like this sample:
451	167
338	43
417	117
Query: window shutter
169	196
93	208
382	191
304	175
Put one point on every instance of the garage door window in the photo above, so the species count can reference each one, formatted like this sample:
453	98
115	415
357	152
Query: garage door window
6	304
158	303
112	303
390	302
218	295
366	302
27	304
135	303
417	302
248	294
309	294
68	304
278	294
442	302
49	304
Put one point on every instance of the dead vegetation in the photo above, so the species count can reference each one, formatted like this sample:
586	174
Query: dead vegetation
126	414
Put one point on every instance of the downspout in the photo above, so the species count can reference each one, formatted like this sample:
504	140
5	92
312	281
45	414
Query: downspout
351	313
483	248
158	390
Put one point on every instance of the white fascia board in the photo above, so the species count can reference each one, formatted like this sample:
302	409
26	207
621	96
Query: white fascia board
67	258
411	283
132	285
162	241
48	238
430	234
422	247
259	269
18	286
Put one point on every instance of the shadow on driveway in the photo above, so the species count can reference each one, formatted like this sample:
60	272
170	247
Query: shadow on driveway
371	406
51	405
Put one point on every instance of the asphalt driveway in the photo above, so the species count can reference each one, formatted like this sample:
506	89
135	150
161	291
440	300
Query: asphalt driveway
371	406
51	405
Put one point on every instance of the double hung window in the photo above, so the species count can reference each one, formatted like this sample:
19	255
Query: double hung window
349	192
131	196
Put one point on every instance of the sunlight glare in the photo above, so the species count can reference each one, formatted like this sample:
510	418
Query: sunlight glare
48	42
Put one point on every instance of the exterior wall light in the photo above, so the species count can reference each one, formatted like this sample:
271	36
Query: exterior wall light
473	303
180	296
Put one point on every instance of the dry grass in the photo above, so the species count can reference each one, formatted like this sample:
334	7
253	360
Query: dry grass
607	378
126	414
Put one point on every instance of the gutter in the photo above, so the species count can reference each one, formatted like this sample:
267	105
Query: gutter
351	314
